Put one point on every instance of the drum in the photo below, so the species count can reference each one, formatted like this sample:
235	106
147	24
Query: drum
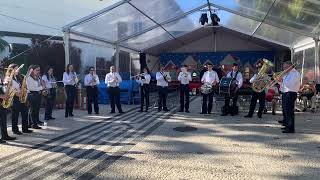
227	86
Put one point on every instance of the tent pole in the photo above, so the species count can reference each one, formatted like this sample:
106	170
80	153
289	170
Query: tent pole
66	40
316	61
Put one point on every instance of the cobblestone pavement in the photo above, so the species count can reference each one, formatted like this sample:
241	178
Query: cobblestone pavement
138	145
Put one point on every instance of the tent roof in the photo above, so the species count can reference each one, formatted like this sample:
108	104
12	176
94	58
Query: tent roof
141	24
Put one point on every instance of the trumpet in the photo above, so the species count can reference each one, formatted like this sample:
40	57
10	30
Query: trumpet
138	75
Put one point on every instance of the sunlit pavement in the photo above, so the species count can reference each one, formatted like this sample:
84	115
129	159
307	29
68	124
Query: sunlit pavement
151	145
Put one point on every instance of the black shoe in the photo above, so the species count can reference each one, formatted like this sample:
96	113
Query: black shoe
40	123
140	110
248	116
71	115
280	122
27	131
304	109
166	110
187	111
9	138
112	112
224	114
36	127
209	112
121	112
46	119
52	118
17	132
180	110
203	113
97	113
232	114
273	113
89	113
66	115
2	141
259	115
288	131
159	110
283	128
146	110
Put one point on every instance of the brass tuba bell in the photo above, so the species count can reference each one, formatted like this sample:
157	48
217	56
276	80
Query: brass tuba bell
262	79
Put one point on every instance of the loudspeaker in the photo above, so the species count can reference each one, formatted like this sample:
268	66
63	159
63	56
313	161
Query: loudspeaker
143	61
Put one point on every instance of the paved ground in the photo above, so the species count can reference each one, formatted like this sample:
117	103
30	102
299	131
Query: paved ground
146	146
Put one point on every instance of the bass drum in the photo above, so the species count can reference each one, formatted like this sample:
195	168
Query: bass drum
227	86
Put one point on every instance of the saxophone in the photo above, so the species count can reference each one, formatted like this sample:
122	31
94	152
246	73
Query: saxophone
11	92
24	90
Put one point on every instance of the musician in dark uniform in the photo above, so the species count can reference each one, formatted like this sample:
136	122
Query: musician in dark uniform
209	77
184	78
163	78
3	117
237	82
257	95
144	81
91	81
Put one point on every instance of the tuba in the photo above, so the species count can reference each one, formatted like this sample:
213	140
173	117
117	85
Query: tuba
262	79
11	92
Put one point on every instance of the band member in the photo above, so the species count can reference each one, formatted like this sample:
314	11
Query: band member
289	86
210	77
34	86
308	92
17	106
261	96
3	117
70	81
113	80
144	81
237	78
91	81
184	78
163	78
50	85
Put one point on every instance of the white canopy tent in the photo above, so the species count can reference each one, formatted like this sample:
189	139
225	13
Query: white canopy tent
139	25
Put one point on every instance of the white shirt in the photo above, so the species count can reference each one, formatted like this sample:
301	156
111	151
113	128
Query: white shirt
91	80
184	77
50	83
146	79
291	82
70	79
210	77
238	78
113	79
160	79
16	85
33	85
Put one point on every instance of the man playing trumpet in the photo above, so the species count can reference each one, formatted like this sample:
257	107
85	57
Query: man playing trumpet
184	78
163	79
144	81
113	80
91	81
209	77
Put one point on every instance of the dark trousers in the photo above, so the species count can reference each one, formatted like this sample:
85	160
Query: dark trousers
34	99
162	100
207	107
17	108
262	101
114	94
288	105
3	122
50	103
233	108
144	92
71	95
184	97
92	97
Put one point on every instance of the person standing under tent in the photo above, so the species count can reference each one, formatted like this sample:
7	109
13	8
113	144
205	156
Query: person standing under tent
163	78
113	80
144	81
51	86
91	81
70	81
